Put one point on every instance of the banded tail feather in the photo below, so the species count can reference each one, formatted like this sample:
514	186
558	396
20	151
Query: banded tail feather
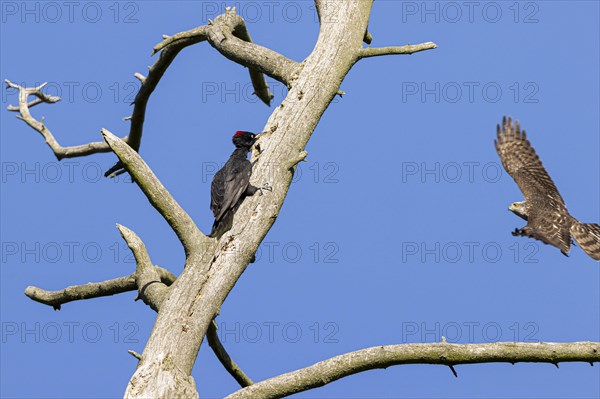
587	236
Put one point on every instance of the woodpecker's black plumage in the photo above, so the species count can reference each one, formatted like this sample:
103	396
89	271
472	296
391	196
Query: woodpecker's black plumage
231	184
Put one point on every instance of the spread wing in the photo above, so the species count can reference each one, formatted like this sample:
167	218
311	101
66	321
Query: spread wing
523	164
228	186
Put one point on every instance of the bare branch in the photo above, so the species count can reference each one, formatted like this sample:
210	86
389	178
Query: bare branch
149	83
183	225
33	103
151	290
92	290
227	26
408	49
238	47
34	91
135	354
445	354
261	88
189	37
59	151
139	77
368	38
79	292
223	356
134	242
453	371
229	35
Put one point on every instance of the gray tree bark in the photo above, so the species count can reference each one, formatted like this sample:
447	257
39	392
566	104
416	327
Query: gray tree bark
186	306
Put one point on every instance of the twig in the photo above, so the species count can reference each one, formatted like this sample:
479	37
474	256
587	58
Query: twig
408	49
135	354
368	38
301	156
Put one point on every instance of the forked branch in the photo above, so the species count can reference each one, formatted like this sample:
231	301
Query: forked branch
151	281
445	354
229	35
24	114
229	26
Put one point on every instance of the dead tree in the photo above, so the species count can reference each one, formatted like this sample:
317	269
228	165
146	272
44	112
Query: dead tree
187	305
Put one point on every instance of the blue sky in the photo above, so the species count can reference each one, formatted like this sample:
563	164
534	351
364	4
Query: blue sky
396	229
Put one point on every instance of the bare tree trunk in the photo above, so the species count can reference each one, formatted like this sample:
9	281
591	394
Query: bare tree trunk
187	306
196	297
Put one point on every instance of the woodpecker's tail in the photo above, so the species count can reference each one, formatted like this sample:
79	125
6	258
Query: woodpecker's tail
218	228
213	231
222	225
587	236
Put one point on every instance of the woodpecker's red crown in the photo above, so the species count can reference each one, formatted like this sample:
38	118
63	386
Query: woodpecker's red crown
242	139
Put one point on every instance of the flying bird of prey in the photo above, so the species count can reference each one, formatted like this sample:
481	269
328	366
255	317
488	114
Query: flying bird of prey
544	209
231	184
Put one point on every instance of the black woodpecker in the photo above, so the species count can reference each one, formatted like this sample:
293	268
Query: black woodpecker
231	184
